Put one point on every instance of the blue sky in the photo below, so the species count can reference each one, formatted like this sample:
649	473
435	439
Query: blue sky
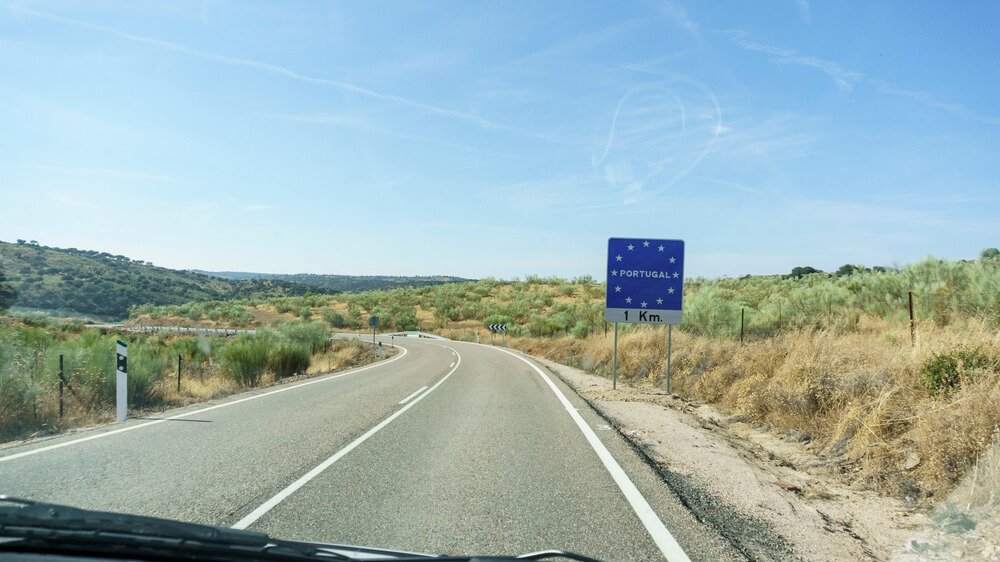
500	138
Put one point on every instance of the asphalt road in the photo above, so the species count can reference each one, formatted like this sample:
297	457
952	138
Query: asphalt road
447	447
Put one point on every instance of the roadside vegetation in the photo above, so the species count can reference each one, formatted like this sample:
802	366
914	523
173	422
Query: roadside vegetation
211	367
86	283
100	285
826	358
829	359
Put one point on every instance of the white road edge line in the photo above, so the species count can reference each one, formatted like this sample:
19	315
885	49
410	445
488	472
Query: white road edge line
421	389
657	530
202	410
305	478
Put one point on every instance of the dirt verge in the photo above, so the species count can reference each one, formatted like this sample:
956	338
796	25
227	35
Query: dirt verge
724	469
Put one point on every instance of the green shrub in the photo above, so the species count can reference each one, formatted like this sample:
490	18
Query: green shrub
288	358
335	319
945	371
245	359
314	335
145	371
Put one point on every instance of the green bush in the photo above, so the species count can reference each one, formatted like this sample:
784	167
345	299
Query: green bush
314	335
245	359
335	319
288	358
145	371
945	371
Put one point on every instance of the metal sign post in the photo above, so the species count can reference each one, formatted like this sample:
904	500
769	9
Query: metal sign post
121	381
614	360
494	328
670	329
373	323
645	286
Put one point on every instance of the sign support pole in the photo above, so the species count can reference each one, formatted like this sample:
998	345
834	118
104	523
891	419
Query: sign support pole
614	362
670	329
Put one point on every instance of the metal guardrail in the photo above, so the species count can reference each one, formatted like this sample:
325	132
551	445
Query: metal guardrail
179	329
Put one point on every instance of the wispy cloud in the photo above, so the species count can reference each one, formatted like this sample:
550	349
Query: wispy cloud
804	10
266	67
730	184
257	207
678	15
929	100
361	124
844	78
583	42
70	200
105	173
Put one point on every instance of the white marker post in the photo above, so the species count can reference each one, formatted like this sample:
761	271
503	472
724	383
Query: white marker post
121	381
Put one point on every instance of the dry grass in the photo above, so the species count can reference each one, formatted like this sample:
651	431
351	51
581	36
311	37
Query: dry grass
857	396
344	355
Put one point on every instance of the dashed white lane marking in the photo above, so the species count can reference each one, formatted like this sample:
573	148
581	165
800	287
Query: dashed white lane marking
304	479
421	389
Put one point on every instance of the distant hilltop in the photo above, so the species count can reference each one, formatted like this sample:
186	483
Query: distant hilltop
99	285
341	283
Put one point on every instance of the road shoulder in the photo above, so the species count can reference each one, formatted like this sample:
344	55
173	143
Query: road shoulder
754	474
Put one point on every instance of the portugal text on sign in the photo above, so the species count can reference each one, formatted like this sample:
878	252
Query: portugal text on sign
645	281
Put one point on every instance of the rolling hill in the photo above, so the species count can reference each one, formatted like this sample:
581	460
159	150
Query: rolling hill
72	282
343	283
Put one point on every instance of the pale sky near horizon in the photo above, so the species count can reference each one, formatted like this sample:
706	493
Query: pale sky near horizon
500	138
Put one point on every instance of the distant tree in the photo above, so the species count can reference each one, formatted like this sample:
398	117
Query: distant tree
990	254
21	241
33	242
7	293
849	269
804	270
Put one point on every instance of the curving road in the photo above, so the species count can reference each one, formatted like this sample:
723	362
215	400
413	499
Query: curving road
447	447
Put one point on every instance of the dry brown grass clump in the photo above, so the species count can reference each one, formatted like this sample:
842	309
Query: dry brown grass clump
858	396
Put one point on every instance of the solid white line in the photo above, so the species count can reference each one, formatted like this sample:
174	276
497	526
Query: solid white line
422	388
305	478
187	414
654	526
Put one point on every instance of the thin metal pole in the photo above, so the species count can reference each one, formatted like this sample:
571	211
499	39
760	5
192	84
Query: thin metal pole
178	373
742	313
670	328
913	326
614	361
62	380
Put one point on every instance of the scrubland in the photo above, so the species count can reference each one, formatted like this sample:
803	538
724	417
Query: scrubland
826	359
211	367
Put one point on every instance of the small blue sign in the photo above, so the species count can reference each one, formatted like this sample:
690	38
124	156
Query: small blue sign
645	281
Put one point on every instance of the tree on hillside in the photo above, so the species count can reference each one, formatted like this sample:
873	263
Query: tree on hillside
849	269
7	293
804	270
990	254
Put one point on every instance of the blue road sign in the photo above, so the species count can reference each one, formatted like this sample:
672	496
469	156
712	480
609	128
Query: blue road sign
645	281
